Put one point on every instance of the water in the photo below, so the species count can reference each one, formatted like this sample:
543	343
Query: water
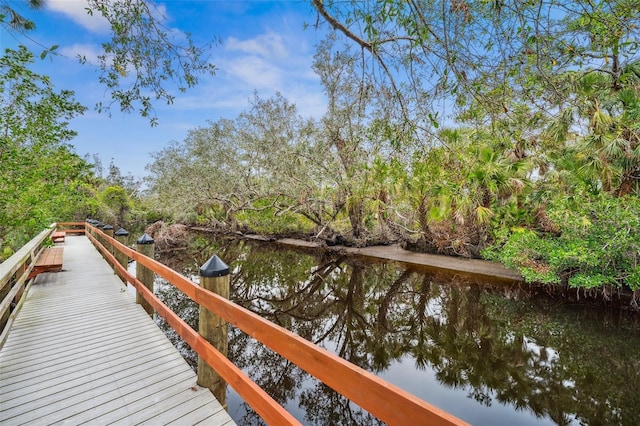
486	352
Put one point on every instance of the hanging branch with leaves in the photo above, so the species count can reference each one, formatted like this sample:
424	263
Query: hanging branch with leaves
145	58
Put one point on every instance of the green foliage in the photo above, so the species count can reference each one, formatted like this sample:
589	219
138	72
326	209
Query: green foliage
546	98
39	173
527	252
599	244
264	219
158	58
142	63
11	19
41	179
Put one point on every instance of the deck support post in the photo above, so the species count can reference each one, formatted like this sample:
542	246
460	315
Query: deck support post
108	229
121	237
89	229
100	226
146	246
214	276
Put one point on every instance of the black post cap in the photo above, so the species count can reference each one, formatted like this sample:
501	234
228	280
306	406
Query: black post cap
107	227
145	239
100	225
214	267
121	233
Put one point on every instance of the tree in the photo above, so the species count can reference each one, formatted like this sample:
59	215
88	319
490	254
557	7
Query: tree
38	170
607	151
362	133
12	19
263	164
143	57
488	60
144	61
198	177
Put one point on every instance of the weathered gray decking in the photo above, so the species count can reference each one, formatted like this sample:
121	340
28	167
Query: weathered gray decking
81	351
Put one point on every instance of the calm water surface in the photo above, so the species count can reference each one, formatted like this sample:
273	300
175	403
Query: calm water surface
488	353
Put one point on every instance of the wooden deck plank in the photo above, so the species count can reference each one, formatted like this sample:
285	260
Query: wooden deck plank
94	366
81	350
100	382
197	416
53	338
91	389
88	405
50	256
136	400
78	356
183	410
57	348
51	327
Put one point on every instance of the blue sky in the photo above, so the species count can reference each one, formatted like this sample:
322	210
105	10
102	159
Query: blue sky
263	47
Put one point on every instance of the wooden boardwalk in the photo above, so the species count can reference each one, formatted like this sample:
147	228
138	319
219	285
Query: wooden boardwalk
81	351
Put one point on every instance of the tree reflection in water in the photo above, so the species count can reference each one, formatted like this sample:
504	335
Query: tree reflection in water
491	343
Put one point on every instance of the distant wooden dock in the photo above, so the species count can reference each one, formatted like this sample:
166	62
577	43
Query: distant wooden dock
82	351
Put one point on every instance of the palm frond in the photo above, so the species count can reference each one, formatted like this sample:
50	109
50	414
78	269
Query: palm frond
484	214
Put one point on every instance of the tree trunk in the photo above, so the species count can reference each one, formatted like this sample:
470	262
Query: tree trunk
356	218
626	185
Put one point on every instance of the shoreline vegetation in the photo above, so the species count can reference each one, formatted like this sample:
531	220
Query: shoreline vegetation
175	237
394	252
518	145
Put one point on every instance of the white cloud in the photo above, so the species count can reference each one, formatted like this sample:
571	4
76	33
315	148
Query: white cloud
266	45
89	52
76	10
254	72
310	101
261	64
159	12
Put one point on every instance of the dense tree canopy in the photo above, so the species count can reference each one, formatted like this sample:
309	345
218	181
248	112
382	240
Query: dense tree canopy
38	169
42	179
456	127
501	129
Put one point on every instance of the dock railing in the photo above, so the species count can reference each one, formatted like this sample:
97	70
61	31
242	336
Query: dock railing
384	400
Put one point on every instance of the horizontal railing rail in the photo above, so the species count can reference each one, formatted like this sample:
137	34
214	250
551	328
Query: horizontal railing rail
255	396
14	279
71	227
384	400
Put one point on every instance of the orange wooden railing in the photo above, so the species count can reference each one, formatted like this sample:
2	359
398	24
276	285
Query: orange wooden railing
71	227
384	400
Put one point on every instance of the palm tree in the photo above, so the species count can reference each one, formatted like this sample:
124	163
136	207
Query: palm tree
610	151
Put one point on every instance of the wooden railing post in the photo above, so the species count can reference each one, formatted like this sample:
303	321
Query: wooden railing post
100	226
214	276
146	246
89	229
121	237
108	229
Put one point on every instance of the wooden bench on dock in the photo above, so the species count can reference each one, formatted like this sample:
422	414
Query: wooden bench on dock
58	236
50	260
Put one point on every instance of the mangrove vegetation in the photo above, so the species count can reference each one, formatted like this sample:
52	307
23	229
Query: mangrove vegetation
504	130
